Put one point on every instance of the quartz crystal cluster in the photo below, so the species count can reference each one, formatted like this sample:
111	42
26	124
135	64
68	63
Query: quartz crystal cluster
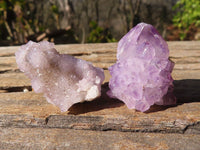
141	76
63	79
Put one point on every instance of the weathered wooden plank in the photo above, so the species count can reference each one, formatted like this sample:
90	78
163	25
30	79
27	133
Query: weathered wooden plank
99	48
104	55
188	67
184	53
186	74
17	79
13	80
105	61
186	60
32	110
106	65
51	139
19	109
184	45
76	49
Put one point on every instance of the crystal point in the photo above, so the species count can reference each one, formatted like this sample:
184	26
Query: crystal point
63	79
141	76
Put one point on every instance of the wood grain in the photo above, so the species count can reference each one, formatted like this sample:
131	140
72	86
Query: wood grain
29	116
68	139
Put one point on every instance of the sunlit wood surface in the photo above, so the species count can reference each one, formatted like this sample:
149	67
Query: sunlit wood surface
27	121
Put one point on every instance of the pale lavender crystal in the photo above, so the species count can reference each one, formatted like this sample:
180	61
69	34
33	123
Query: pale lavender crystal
63	79
141	76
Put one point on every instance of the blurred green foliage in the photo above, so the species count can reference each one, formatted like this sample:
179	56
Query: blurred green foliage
54	9
188	13
20	19
11	19
98	34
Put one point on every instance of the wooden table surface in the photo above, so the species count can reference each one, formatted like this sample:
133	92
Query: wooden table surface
27	121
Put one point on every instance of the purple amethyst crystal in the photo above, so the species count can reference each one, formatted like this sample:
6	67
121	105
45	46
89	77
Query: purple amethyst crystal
63	79
141	76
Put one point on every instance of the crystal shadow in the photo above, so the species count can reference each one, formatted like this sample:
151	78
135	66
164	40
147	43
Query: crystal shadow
103	102
186	91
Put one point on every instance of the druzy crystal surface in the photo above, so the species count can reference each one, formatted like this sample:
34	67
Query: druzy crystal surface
63	79
141	76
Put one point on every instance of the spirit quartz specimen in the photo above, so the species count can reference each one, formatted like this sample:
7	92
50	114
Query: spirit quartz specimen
63	79
141	76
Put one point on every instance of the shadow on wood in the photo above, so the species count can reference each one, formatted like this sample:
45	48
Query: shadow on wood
186	91
100	103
